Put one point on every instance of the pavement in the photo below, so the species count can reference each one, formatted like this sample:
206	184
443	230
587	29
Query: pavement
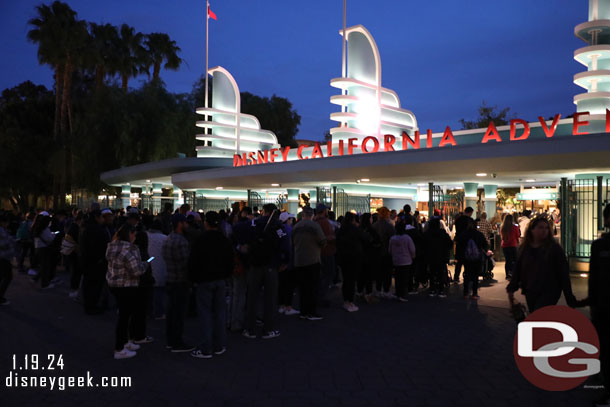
426	352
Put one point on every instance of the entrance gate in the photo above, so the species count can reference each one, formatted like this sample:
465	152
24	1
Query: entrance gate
346	203
450	204
256	200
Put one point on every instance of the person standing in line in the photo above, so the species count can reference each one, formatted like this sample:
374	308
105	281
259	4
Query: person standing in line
26	243
542	270
210	265
7	252
267	254
176	254
147	282
308	238
523	222
461	224
286	277
484	227
372	248
243	235
43	243
510	234
473	247
350	258
328	261
599	301
437	245
93	241
156	238
69	251
385	231
402	250
125	266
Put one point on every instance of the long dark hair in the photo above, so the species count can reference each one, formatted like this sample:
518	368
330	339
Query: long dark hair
507	225
529	235
124	232
365	221
41	222
348	219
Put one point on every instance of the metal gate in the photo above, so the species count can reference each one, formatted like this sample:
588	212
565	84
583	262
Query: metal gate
255	200
347	203
450	204
581	215
324	195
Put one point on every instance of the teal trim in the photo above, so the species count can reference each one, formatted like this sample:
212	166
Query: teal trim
470	189
490	191
366	188
536	195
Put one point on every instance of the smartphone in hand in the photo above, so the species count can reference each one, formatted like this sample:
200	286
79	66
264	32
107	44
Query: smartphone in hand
150	259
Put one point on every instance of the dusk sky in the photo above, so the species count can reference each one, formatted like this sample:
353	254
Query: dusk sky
443	58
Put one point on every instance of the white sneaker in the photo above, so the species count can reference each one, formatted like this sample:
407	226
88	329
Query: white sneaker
402	299
282	309
51	285
73	294
131	346
32	272
354	307
412	292
124	354
291	311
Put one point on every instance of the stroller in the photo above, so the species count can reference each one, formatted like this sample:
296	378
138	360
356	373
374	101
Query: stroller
487	266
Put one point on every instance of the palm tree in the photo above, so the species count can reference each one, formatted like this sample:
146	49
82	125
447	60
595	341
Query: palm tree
61	39
161	48
132	56
103	48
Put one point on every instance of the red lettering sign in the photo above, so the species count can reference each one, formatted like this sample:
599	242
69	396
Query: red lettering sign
577	123
351	145
429	138
406	141
549	132
285	151
300	153
375	144
262	156
329	148
272	154
317	151
491	134
236	160
388	142
513	130
447	138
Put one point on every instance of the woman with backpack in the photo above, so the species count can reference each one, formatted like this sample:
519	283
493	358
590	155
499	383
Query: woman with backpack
474	246
542	270
510	233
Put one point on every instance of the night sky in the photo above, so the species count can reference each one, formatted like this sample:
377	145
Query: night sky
442	57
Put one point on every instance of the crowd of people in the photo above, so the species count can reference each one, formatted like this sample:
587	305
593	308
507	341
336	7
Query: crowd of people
221	265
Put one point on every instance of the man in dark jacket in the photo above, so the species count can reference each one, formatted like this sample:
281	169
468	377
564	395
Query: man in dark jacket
210	265
461	224
437	244
93	242
471	247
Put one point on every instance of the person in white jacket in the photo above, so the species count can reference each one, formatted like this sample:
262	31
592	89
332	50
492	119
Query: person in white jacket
402	250
155	246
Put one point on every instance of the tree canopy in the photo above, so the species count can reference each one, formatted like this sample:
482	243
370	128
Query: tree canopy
487	114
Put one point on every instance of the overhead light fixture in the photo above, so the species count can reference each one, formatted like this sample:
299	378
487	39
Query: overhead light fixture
481	174
357	181
365	180
530	180
147	180
218	188
584	275
459	187
421	185
275	185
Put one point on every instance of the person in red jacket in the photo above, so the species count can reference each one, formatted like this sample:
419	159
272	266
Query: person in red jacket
510	240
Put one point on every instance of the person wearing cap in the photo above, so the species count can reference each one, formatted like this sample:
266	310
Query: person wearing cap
108	222
93	241
267	253
385	230
176	252
210	265
327	254
287	277
308	238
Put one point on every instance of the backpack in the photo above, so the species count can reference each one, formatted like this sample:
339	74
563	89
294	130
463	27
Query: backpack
472	252
266	242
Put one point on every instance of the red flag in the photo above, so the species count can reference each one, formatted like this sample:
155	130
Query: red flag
211	14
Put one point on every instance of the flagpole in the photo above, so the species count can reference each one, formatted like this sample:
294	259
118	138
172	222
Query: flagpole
343	58
207	25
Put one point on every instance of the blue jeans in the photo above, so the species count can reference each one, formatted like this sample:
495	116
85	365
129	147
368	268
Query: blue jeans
212	312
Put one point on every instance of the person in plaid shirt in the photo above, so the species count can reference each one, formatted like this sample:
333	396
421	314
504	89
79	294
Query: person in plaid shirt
176	252
124	270
485	227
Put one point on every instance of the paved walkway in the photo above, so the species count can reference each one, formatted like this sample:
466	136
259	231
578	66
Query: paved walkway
427	352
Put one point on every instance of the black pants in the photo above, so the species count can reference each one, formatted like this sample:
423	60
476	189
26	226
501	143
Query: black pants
126	298
384	278
6	276
458	270
137	327
351	269
73	266
309	280
438	277
94	276
510	256
47	265
601	321
471	275
367	275
404	279
258	277
177	304
286	284
27	249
